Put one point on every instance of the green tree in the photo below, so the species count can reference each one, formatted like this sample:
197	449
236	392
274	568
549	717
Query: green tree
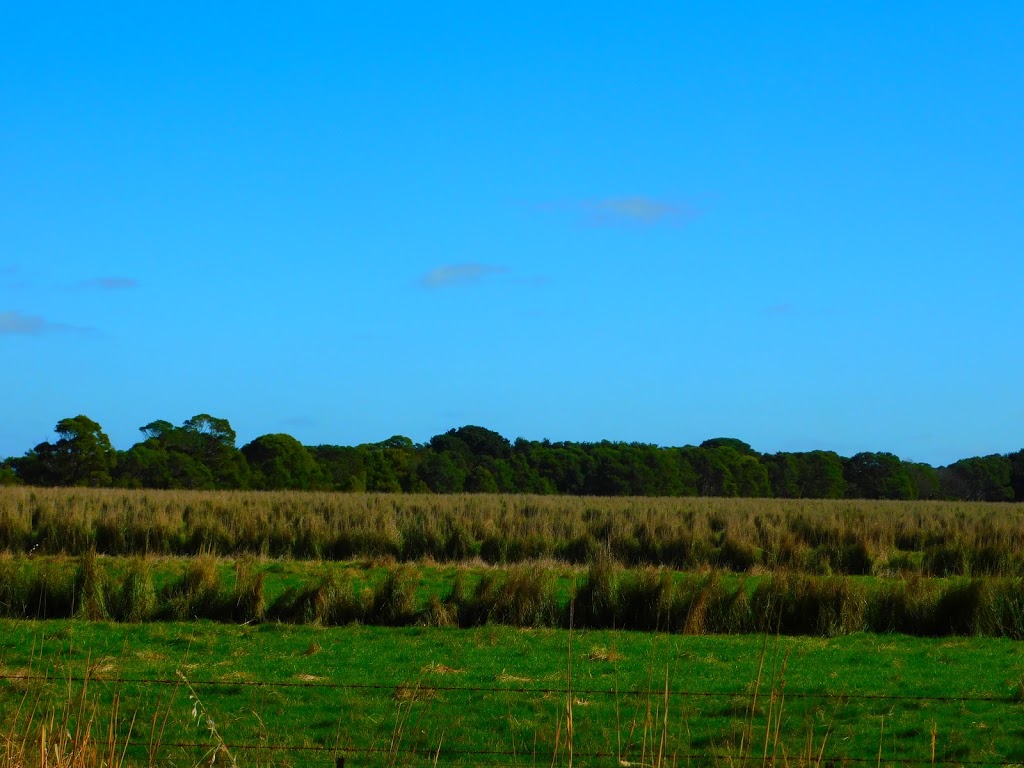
211	441
279	461
526	478
82	456
877	476
441	474
151	465
751	476
981	478
730	442
381	476
343	466
612	472
689	480
481	480
927	484
477	441
1017	474
821	475
784	474
200	454
7	474
714	478
402	456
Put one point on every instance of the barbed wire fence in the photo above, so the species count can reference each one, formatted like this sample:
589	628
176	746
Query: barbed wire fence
408	741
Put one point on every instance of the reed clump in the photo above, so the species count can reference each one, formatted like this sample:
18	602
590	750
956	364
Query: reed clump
606	596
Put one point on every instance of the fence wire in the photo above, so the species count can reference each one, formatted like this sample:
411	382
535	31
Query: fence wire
405	685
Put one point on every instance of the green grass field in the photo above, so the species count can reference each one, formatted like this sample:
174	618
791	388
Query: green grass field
299	695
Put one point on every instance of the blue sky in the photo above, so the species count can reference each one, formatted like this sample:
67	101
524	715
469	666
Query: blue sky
799	226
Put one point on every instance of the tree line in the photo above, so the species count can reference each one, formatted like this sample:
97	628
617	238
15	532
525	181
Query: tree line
202	453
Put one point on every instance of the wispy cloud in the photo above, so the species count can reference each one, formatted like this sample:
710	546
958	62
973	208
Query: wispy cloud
636	210
460	274
16	323
110	283
631	210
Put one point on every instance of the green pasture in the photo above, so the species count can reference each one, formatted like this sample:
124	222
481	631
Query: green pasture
280	694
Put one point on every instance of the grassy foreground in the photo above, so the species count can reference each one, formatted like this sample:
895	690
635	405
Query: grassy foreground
278	694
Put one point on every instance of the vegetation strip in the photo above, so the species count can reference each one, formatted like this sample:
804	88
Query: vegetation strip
605	596
202	454
853	538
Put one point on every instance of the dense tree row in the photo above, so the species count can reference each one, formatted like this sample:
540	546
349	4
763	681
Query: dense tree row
202	454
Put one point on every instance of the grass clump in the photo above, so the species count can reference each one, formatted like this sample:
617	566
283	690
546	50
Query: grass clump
394	598
135	599
607	597
198	594
91	589
248	597
597	600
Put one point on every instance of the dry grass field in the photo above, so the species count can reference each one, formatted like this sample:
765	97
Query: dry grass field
743	535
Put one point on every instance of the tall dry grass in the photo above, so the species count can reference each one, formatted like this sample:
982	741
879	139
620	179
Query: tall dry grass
813	536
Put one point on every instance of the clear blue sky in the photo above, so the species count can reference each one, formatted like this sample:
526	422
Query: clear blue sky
797	224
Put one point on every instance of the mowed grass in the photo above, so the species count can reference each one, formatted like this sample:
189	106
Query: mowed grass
299	695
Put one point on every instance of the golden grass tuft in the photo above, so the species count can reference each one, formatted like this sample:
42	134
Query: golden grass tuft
505	677
600	653
313	649
410	692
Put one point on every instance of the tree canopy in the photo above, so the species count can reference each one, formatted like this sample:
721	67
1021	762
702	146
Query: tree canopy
201	453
